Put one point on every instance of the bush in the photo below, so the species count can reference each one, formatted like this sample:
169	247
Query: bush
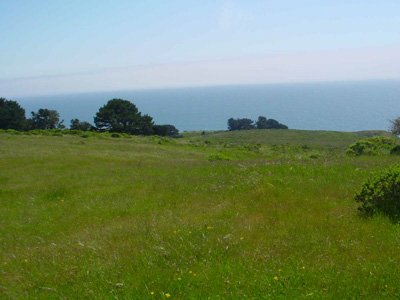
395	150
115	135
12	131
217	156
381	194
372	146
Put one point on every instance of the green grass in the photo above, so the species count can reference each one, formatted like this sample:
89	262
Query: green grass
109	218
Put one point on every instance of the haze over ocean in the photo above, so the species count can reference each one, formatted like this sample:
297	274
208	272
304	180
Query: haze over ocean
338	106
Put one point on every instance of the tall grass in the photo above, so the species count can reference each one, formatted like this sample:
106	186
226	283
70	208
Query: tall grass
104	218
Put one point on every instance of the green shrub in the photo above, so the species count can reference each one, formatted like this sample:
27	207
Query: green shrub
395	150
12	131
381	194
372	146
72	132
217	156
56	133
315	155
115	135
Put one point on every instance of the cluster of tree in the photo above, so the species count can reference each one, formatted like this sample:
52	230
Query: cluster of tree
261	123
117	115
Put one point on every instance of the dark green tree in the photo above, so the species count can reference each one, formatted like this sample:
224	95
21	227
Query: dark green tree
12	115
240	124
274	124
120	115
145	125
78	125
45	119
166	130
262	123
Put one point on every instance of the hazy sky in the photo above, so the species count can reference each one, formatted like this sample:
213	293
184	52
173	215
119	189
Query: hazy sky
54	46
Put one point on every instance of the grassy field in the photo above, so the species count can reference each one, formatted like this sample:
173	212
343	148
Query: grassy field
224	215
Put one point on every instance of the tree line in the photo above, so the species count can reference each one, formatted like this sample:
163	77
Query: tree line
117	115
261	123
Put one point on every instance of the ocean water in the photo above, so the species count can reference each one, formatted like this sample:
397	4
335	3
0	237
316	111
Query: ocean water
340	106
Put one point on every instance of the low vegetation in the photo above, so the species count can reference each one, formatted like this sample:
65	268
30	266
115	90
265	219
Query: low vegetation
381	194
373	146
260	214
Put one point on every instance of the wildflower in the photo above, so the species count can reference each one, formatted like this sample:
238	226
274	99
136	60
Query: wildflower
5	262
194	274
151	293
179	278
167	295
62	200
26	260
190	272
190	232
304	268
241	238
209	227
275	278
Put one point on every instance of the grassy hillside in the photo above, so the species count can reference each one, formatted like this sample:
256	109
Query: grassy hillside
316	139
221	215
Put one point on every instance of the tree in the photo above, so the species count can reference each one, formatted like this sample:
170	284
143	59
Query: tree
120	115
145	125
262	123
166	130
78	125
45	119
12	115
240	124
274	124
395	126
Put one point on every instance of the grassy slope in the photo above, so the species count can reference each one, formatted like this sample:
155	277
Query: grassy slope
122	218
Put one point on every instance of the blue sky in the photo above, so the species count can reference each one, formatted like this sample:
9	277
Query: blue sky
54	46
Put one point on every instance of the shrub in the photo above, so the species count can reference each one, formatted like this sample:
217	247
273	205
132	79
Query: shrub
395	150
12	131
115	135
372	146
381	194
56	133
217	156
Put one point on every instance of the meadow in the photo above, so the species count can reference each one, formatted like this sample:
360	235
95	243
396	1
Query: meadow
259	214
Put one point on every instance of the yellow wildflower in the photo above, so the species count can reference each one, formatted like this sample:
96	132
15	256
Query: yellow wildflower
179	278
276	278
25	260
151	293
167	295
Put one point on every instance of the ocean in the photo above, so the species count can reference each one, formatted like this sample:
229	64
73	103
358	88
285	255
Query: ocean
337	106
